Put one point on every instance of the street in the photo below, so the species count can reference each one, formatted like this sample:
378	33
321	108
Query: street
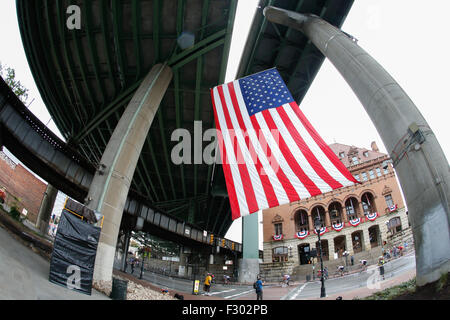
299	291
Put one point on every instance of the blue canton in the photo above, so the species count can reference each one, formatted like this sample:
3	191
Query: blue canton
264	90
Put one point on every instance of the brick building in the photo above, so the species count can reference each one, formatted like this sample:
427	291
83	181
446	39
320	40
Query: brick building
22	187
358	219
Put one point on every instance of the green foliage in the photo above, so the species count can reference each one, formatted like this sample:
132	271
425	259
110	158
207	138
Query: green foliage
9	75
15	213
442	282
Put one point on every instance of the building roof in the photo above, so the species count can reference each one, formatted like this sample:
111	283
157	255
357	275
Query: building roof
345	153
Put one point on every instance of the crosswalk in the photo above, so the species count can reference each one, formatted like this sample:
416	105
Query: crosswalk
231	293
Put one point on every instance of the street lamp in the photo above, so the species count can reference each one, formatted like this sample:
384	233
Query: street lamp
318	226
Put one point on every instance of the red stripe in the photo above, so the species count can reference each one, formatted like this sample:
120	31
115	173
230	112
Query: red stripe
315	164
291	193
243	170
323	146
267	185
298	171
234	204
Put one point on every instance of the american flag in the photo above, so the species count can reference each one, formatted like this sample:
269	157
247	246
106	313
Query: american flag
270	153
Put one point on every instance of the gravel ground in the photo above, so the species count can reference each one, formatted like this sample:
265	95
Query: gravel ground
135	291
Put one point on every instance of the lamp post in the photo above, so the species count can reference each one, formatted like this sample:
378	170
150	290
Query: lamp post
318	226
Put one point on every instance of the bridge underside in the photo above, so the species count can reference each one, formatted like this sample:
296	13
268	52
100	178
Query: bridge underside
88	76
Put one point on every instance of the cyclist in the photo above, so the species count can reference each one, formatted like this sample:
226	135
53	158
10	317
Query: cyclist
340	269
363	264
286	279
226	279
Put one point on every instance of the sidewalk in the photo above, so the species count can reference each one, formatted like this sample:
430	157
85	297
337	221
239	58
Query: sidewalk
24	274
365	292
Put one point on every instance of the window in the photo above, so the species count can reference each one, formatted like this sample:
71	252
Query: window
278	229
395	225
371	174
389	200
386	170
378	170
357	177
364	176
366	154
341	154
355	160
280	254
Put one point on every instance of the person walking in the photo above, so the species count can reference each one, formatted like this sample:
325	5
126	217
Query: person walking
207	284
381	263
258	285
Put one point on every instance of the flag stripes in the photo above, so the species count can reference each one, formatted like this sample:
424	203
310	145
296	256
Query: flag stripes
272	157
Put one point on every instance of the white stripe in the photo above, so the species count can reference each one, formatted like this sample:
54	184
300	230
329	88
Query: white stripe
242	201
278	189
219	292
315	149
298	292
239	294
298	154
295	181
250	164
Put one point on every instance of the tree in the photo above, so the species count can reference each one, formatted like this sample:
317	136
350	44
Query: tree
9	75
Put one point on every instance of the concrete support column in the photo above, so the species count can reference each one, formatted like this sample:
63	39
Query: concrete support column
183	262
45	211
418	159
109	189
249	264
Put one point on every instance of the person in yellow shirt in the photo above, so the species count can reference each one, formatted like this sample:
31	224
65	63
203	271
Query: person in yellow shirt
207	284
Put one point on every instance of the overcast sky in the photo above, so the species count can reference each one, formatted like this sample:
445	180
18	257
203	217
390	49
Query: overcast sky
410	40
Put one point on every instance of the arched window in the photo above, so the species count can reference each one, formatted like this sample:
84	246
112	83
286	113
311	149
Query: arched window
368	203
301	220
351	208
335	211
318	211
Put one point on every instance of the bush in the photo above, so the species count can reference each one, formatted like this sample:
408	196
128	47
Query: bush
15	213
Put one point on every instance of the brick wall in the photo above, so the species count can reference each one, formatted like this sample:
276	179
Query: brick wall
22	184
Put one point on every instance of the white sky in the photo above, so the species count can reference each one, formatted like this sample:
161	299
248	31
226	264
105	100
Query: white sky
407	37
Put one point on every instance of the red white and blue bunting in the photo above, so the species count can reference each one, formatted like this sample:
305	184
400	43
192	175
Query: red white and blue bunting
302	234
354	222
322	230
372	216
392	208
277	237
338	226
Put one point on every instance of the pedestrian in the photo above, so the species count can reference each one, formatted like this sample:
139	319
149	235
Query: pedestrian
258	285
381	263
132	264
352	260
207	284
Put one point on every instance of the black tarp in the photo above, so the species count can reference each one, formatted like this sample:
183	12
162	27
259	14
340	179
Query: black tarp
74	251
